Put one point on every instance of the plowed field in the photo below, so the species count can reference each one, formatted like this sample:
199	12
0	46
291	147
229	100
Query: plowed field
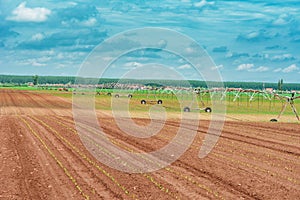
42	157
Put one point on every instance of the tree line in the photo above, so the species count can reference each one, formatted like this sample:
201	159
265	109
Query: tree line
21	80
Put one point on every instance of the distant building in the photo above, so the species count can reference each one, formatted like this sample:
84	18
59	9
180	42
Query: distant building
269	89
30	84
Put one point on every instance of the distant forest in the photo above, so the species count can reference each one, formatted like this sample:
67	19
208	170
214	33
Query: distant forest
21	80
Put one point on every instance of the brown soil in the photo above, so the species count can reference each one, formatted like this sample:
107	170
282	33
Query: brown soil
42	157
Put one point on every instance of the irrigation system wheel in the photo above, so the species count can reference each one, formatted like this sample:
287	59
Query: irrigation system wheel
159	101
186	109
208	109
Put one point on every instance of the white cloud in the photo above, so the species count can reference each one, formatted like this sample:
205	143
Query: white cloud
162	44
250	68
185	66
38	37
290	68
283	19
203	3
61	66
284	57
34	62
252	35
181	60
279	21
25	14
217	67
277	70
259	35
189	50
130	65
43	59
60	56
49	52
236	55
107	58
260	69
245	67
90	22
72	3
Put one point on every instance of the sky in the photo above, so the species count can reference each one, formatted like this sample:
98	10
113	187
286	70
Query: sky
247	40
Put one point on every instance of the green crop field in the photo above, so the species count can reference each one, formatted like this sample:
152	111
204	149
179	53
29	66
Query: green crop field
260	104
13	87
171	102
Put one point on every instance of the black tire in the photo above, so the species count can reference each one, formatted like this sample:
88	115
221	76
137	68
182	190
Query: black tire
186	109
159	101
143	102
208	110
109	94
273	120
98	93
117	95
130	96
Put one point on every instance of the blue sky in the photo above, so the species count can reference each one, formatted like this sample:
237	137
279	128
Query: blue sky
248	40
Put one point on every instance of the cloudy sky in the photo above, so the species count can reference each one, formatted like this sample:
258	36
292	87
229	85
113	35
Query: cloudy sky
248	40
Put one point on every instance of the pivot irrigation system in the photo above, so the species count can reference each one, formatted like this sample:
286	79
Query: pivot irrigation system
233	97
288	100
120	95
251	95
